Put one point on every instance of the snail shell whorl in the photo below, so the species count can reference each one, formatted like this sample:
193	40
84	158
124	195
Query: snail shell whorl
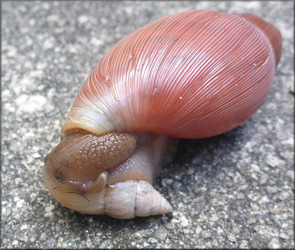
193	74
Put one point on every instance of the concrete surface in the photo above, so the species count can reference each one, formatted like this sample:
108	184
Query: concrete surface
234	190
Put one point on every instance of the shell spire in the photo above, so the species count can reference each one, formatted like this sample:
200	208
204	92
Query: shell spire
272	33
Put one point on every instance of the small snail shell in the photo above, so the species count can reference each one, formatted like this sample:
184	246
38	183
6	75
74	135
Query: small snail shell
193	74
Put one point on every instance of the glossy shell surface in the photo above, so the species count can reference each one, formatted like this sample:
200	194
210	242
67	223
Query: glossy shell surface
193	74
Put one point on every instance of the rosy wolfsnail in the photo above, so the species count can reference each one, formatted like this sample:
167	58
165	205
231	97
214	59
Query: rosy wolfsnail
193	74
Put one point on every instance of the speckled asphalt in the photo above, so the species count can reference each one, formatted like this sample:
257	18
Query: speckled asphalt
233	190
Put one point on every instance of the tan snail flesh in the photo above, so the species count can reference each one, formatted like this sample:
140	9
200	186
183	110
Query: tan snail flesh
194	74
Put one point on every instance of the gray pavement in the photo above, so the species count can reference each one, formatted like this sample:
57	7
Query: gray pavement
233	190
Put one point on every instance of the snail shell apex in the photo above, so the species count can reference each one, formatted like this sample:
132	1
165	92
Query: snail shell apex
193	74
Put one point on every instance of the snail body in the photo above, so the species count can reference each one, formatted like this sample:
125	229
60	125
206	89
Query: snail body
194	74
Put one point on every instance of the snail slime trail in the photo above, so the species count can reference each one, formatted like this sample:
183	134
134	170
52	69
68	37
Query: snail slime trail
116	135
